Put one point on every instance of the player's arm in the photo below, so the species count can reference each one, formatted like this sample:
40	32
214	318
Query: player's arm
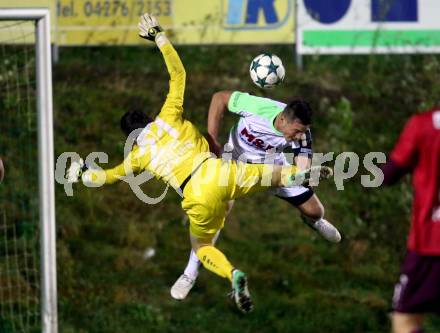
303	162
404	156
217	108
80	171
304	153
150	29
392	173
236	102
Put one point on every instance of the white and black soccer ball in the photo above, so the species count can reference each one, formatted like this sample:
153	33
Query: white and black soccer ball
267	70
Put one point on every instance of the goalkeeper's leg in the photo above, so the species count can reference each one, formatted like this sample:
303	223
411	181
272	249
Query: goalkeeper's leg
215	261
252	178
186	281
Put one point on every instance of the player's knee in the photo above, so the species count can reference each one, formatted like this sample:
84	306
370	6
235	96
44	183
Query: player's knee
197	243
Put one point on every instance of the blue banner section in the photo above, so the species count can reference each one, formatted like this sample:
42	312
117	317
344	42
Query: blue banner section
256	14
268	8
394	10
235	12
326	11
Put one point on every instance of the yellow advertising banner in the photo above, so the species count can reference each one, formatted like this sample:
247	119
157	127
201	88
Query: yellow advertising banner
108	22
234	21
114	22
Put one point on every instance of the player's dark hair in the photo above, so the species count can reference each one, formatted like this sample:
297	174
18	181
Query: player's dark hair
133	120
298	109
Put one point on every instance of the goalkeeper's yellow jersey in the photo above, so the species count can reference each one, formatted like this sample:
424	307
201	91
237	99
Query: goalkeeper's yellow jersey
170	147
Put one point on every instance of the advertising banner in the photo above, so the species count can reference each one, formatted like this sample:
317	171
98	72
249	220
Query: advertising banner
114	22
108	22
368	26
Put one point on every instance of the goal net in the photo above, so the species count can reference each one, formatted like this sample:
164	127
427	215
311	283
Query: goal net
27	251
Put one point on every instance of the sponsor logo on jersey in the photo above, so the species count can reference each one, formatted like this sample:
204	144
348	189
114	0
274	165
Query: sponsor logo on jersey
250	138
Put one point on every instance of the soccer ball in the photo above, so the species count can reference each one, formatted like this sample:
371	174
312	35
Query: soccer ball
267	70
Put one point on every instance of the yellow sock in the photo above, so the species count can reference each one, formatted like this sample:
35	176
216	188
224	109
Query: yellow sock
214	260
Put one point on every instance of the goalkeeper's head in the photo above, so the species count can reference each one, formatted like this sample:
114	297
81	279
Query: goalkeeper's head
133	120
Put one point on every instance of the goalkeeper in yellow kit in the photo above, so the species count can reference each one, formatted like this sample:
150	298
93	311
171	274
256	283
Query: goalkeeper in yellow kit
172	149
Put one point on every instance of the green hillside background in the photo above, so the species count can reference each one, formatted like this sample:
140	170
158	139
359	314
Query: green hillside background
300	282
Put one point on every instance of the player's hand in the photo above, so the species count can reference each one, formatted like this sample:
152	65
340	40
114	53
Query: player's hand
75	171
312	174
149	27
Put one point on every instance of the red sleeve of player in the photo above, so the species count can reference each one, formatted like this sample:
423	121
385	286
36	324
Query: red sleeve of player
404	153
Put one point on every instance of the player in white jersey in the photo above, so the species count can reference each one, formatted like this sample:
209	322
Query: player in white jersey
265	129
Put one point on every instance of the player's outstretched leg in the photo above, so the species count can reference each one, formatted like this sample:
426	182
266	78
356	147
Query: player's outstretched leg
312	210
312	214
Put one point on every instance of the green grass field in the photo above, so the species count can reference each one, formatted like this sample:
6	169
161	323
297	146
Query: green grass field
300	283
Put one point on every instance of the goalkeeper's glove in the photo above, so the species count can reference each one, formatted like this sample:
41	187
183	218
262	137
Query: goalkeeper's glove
304	177
76	170
149	27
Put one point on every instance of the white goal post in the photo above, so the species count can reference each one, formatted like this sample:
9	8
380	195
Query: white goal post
41	17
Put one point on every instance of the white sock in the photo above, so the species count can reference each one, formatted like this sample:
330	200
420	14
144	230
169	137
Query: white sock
192	268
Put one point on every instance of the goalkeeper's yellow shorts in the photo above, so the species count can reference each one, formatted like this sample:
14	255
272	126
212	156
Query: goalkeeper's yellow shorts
215	183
